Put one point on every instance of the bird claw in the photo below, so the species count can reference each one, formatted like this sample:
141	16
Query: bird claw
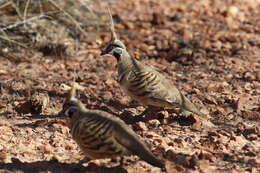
84	160
138	118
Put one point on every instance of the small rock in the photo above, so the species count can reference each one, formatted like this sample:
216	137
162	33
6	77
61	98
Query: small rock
171	155
228	77
107	95
204	166
241	103
249	75
158	19
65	87
144	47
2	105
3	72
230	116
217	45
155	170
110	82
206	156
23	107
258	75
141	126
208	99
151	134
41	123
170	167
129	25
145	25
254	170
153	123
158	44
165	121
39	102
1	147
232	38
231	23
232	11
178	140
186	33
180	168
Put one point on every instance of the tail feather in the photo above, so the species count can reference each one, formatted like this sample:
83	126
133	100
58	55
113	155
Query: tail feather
150	158
189	106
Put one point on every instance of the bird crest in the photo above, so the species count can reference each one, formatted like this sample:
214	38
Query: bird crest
112	27
72	93
71	96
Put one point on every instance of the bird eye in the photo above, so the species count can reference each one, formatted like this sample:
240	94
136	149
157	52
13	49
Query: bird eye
70	111
65	107
111	47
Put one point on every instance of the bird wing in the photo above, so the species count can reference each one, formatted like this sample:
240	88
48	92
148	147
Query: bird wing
151	88
122	134
127	138
164	91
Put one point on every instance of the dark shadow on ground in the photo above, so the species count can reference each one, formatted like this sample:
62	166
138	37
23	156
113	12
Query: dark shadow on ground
55	166
182	120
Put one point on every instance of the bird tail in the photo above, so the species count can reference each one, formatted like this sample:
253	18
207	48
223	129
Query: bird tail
189	106
150	158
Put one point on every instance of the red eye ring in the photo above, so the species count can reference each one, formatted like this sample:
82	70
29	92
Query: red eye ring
111	48
65	107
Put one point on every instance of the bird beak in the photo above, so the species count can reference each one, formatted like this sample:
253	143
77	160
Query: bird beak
61	113
104	52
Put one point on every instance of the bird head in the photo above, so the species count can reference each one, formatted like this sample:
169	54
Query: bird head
115	47
72	105
68	109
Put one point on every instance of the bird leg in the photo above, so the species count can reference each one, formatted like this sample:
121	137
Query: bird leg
84	160
140	117
185	113
121	161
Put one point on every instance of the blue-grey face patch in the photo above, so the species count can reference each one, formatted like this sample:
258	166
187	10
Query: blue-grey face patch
117	53
69	112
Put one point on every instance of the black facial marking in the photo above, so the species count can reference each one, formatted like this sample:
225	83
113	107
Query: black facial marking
116	45
69	108
117	53
111	46
68	104
71	111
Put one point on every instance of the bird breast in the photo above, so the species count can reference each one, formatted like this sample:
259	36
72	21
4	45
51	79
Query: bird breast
95	138
149	87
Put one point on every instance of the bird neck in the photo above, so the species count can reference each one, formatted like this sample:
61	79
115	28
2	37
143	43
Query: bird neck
73	119
78	114
125	63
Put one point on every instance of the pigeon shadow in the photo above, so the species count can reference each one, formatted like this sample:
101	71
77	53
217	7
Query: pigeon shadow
182	120
55	166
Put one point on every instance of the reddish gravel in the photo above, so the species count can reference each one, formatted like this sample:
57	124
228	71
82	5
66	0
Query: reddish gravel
209	49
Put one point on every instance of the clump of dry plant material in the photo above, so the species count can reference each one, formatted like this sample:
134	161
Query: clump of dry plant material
46	26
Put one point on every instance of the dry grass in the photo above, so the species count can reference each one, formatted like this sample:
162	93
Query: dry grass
46	26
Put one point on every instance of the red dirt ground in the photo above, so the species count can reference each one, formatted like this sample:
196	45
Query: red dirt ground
209	49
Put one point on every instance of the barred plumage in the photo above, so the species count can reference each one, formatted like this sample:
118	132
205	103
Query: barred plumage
145	84
102	135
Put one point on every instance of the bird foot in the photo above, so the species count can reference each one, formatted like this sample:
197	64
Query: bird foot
138	118
84	160
185	114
